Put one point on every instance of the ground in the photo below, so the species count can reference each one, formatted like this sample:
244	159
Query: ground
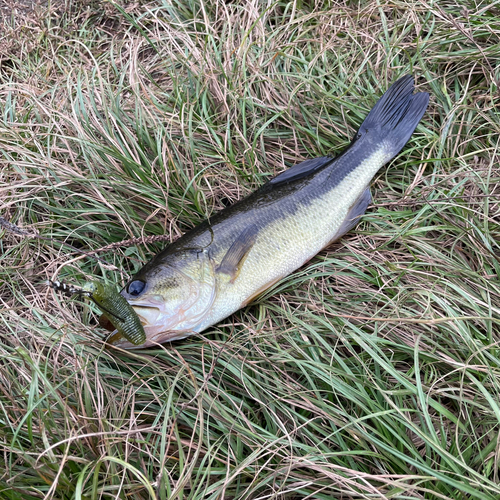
371	372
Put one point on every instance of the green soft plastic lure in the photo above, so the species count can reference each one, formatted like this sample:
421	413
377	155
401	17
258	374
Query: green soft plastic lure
114	306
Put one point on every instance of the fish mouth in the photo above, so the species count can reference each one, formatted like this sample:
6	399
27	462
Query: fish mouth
162	322
158	330
148	315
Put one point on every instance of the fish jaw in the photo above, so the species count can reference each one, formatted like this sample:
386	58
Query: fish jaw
154	336
160	325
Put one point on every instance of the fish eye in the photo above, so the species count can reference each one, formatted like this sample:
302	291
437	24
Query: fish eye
135	287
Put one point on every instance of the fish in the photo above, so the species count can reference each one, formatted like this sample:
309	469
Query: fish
225	262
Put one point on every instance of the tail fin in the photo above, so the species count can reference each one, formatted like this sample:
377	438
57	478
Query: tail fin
396	114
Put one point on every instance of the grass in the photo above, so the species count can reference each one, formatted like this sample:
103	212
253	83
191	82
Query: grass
371	373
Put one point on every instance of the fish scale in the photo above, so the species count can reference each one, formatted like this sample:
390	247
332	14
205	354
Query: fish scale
301	237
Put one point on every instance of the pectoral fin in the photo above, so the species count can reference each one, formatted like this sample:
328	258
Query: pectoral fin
355	212
235	257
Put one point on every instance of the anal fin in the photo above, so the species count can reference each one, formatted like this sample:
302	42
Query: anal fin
235	257
355	212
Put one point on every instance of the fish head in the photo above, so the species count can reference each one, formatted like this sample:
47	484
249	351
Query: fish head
171	297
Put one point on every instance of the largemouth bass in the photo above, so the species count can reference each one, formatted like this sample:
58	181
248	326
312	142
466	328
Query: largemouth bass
225	262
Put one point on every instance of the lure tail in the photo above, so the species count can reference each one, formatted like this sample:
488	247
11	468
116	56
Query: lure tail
395	116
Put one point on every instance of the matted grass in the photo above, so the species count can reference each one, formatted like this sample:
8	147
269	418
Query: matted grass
373	372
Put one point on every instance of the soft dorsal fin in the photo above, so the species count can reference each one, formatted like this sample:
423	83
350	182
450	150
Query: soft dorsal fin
233	260
302	170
